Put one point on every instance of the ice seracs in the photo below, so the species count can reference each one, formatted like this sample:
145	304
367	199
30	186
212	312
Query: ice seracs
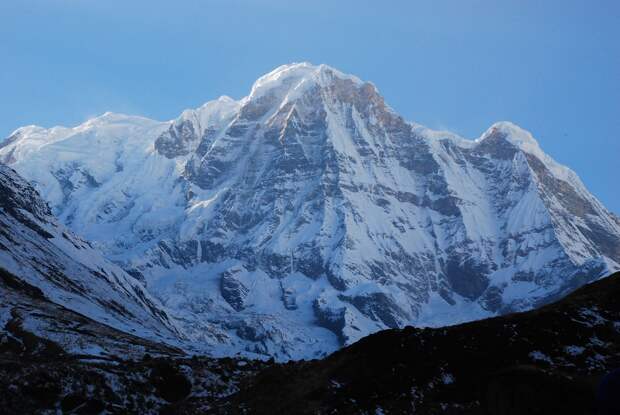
387	223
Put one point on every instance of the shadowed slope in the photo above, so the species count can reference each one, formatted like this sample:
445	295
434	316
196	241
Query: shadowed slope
543	361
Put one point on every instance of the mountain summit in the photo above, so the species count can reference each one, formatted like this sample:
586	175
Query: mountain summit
309	214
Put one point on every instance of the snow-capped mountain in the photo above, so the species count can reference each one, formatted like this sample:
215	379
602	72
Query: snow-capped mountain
309	214
60	271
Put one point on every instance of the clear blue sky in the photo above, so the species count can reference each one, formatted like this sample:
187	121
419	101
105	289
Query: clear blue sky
552	67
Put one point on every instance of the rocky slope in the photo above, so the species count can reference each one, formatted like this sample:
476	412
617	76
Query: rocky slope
547	361
54	360
309	214
58	286
32	325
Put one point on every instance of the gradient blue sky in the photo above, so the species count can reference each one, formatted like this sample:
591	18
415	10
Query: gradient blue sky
552	67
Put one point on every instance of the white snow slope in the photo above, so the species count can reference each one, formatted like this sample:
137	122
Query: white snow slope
309	214
38	250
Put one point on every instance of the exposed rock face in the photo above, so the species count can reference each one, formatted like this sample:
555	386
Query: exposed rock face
233	290
314	211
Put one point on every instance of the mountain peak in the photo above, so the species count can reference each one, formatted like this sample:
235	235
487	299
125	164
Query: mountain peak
524	141
514	134
297	76
309	214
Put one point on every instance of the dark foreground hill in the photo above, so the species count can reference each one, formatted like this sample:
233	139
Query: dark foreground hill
547	361
116	372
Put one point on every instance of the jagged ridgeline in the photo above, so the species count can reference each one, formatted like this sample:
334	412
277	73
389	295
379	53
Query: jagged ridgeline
309	214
